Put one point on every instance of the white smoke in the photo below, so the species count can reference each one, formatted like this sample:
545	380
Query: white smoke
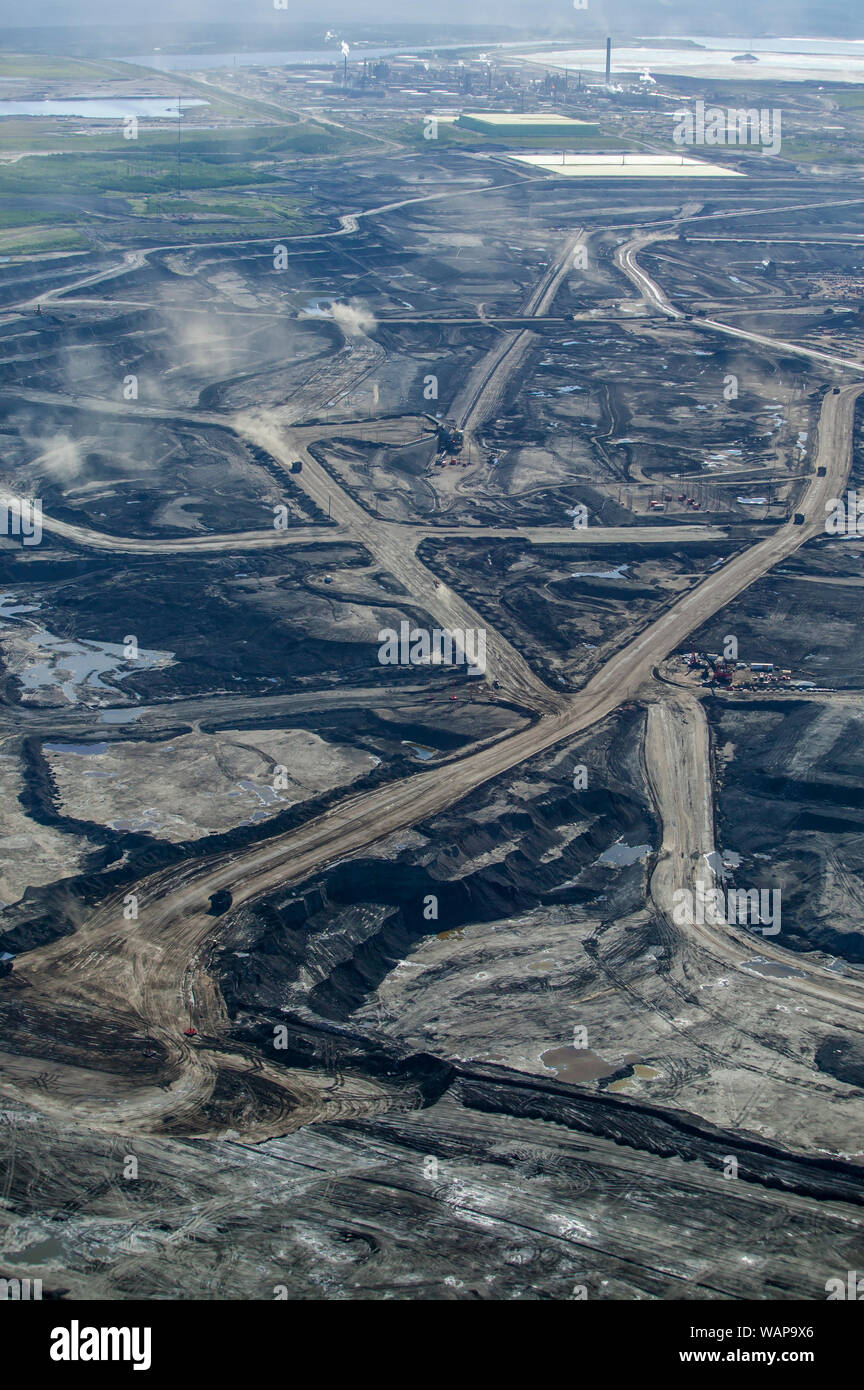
354	318
345	49
61	461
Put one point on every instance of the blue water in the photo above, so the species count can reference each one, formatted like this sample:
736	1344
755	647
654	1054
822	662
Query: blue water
100	108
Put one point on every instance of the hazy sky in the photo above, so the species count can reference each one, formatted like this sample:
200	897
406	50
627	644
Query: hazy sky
839	18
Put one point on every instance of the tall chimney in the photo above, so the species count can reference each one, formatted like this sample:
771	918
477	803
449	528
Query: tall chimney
608	61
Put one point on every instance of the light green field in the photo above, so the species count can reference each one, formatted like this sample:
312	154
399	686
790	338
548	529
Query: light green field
26	241
51	68
411	134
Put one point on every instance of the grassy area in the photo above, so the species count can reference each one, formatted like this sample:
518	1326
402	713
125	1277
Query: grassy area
55	68
208	159
188	232
23	217
848	98
229	206
411	134
32	240
812	150
106	137
102	176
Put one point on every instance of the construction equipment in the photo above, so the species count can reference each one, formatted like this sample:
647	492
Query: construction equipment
449	437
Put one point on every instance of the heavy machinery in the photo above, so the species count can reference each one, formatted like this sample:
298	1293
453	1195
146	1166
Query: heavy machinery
449	437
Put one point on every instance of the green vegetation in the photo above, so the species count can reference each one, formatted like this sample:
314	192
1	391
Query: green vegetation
103	175
55	68
27	241
107	164
849	98
228	206
411	134
23	217
829	149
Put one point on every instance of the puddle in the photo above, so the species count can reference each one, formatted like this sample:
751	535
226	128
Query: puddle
120	716
36	1254
420	750
39	660
773	968
600	574
266	795
577	1064
77	667
623	855
8	606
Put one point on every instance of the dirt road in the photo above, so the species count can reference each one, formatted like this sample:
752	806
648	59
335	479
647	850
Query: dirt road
678	764
155	971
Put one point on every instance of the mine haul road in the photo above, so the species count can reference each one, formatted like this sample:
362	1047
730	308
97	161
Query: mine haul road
157	970
678	766
487	384
626	259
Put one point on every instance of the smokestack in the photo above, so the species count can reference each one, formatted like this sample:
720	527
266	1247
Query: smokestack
608	61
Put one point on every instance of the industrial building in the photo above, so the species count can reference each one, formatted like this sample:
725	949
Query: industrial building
514	123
